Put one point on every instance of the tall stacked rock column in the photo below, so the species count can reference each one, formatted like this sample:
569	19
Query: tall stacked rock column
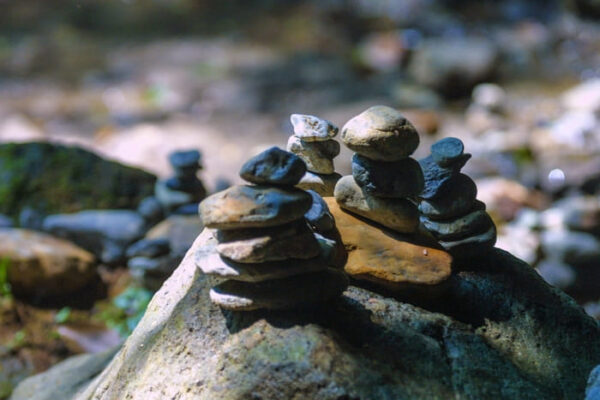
384	176
313	142
449	208
258	243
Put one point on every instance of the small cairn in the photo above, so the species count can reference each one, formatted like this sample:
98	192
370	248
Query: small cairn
259	245
384	176
449	208
181	193
313	142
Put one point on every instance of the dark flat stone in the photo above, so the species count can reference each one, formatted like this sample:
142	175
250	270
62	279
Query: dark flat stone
274	166
435	176
457	199
185	159
447	151
388	179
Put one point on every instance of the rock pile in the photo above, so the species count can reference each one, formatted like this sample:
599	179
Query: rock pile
449	208
313	142
260	242
384	176
181	193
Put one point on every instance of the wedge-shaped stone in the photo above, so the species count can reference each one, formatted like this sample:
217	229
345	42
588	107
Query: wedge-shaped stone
292	292
472	246
380	255
436	176
253	207
398	214
211	263
381	133
323	184
272	244
318	156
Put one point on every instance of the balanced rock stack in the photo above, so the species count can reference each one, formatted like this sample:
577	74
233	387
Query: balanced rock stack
313	142
384	176
450	211
181	193
258	243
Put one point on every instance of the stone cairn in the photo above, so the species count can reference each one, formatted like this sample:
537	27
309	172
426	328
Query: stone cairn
313	142
259	245
181	193
450	211
384	176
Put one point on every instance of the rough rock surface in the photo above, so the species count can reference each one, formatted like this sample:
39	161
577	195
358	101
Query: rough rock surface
58	179
499	332
318	156
42	265
323	184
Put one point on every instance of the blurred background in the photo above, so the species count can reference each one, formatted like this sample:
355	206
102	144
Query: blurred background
135	80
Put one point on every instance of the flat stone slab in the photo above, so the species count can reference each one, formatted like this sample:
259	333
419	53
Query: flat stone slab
456	200
381	133
461	227
398	214
312	129
319	216
296	291
295	240
273	166
447	151
254	207
380	255
472	246
211	263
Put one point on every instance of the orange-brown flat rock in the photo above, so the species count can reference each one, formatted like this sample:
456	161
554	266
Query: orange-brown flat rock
378	254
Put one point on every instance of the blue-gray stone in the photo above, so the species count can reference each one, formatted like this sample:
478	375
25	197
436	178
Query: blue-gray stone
476	221
457	199
395	179
574	248
592	391
5	222
105	233
274	166
149	248
150	209
185	159
436	176
319	216
447	151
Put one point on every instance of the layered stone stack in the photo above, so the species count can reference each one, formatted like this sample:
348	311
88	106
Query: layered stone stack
181	193
449	208
258	242
313	142
384	176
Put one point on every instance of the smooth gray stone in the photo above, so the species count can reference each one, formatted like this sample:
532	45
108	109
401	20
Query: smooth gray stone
436	176
395	179
381	133
397	214
105	233
318	156
319	216
475	245
149	248
254	207
456	200
292	292
274	166
311	129
185	159
466	225
592	390
323	184
447	151
212	263
275	245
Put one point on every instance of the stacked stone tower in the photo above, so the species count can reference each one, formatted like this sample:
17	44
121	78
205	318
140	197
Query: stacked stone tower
384	177
313	142
259	245
181	193
449	208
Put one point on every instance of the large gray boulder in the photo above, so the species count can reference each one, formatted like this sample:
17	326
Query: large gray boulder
497	332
